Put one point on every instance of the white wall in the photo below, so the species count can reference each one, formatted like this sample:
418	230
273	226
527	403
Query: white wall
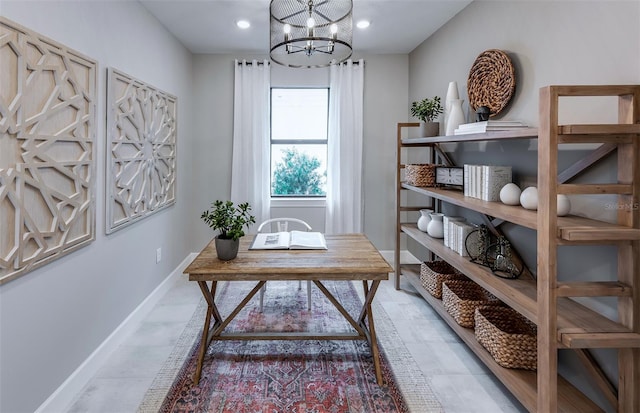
53	318
550	43
386	94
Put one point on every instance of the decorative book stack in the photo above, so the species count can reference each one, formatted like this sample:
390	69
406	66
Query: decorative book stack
456	230
488	126
485	181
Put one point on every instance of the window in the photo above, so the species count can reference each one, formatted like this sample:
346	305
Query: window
299	119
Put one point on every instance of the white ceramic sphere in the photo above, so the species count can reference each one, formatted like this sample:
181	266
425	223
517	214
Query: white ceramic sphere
529	198
510	194
563	205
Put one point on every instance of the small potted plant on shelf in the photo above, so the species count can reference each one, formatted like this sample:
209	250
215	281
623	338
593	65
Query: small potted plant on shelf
230	221
427	110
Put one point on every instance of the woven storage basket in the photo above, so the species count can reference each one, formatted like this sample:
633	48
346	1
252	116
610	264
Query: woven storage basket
461	298
421	174
434	273
508	337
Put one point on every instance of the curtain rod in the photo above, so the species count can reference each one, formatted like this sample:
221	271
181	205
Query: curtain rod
260	62
355	62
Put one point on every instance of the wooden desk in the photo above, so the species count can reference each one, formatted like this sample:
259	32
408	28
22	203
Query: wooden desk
348	257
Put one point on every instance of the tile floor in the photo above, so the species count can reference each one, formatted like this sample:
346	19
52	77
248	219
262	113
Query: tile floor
461	382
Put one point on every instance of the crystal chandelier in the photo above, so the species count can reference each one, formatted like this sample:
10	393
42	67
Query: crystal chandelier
311	33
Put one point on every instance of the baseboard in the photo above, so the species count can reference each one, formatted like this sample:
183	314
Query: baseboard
63	396
405	257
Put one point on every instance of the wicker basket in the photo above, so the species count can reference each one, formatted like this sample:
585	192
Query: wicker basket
508	336
461	298
434	273
421	174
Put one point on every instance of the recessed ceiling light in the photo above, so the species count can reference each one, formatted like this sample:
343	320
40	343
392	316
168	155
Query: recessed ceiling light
243	24
363	24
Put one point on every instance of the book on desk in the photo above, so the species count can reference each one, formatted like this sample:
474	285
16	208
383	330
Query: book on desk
292	240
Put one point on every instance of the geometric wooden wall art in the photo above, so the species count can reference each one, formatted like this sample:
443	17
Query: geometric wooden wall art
47	135
141	150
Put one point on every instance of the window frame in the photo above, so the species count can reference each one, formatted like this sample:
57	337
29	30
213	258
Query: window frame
301	142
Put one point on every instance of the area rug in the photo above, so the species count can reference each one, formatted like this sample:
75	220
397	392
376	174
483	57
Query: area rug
309	376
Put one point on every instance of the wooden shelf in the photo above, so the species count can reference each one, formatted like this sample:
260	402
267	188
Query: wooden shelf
570	228
519	294
562	322
521	383
522	133
602	129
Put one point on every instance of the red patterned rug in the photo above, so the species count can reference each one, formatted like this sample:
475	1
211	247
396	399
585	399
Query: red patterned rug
309	376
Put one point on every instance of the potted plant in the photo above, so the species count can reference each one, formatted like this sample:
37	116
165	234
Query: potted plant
230	221
427	110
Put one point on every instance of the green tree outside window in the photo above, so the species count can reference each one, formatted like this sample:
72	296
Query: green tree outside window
297	174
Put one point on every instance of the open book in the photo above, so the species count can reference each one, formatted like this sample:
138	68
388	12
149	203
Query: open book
294	240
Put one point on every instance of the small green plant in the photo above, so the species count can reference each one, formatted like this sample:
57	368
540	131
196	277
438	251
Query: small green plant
228	219
427	110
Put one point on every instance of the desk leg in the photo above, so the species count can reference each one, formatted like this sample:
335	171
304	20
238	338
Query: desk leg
203	347
372	330
211	311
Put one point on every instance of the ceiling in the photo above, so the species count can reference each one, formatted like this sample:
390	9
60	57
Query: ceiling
209	26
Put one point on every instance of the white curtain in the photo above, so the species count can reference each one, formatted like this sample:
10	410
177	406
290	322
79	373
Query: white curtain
250	163
344	164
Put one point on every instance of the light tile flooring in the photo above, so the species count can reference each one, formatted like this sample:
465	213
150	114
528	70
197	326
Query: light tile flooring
461	382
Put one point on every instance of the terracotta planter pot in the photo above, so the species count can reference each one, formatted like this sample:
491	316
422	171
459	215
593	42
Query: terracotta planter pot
227	249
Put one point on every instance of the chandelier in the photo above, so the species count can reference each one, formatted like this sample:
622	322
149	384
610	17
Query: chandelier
311	33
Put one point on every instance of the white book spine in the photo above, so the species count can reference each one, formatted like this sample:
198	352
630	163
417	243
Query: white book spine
454	221
465	230
465	177
478	182
472	181
484	187
445	225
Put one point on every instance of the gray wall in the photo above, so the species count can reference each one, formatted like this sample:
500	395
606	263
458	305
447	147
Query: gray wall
549	42
53	318
385	103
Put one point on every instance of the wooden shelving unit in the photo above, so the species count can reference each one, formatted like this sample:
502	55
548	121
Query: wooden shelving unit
562	322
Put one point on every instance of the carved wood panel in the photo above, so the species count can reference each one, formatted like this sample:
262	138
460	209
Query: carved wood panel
47	133
141	150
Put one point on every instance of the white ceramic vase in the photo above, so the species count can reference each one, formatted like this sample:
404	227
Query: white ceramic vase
423	221
452	93
435	229
456	116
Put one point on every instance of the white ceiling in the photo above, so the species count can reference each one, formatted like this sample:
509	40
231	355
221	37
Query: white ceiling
209	26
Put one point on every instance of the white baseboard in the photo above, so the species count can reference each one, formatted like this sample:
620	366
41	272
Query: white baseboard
405	257
63	396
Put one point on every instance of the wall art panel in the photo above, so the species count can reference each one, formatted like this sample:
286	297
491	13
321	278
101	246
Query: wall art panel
141	152
47	134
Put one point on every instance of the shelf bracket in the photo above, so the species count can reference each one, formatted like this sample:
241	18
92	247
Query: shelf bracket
601	380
